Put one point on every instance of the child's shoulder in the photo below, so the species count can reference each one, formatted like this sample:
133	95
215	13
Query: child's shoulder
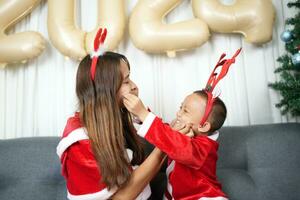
211	139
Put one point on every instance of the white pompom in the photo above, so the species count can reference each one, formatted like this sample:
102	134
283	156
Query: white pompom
98	53
216	92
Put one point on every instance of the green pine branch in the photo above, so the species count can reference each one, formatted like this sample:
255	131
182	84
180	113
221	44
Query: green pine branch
286	64
289	89
289	84
294	4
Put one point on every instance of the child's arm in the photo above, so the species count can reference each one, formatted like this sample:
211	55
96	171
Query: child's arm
141	176
177	146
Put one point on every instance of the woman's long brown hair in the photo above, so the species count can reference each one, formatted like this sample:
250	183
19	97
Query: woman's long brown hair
109	126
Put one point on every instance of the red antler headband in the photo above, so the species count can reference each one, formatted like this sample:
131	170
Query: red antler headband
98	50
213	81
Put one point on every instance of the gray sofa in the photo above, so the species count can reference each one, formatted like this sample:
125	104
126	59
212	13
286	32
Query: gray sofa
255	162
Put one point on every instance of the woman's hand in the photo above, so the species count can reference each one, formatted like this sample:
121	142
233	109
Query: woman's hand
135	106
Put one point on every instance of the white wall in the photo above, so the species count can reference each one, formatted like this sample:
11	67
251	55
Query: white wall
36	98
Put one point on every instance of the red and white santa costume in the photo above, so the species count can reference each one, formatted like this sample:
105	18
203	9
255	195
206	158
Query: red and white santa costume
191	168
79	166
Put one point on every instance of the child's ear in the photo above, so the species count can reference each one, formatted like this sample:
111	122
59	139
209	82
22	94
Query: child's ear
204	128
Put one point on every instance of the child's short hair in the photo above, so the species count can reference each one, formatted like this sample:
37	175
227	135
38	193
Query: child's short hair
218	113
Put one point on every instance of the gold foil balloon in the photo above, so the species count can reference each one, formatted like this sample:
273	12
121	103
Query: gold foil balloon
76	43
63	33
111	15
149	33
252	18
18	47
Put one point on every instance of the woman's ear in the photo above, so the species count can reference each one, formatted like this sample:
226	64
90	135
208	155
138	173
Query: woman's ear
204	128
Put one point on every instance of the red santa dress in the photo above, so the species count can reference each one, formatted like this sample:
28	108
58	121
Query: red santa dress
192	162
79	167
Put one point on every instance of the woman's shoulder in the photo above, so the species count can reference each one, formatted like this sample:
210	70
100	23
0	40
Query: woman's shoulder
72	124
73	133
74	138
81	151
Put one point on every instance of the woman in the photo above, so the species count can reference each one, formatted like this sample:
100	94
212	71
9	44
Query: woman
99	148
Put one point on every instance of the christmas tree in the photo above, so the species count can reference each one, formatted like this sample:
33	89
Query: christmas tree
289	84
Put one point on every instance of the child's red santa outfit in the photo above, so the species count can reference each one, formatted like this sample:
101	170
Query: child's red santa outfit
192	161
79	166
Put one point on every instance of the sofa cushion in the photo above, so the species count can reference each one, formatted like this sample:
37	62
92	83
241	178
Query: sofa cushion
255	162
29	170
260	162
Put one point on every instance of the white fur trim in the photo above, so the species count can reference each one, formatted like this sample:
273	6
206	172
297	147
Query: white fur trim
170	168
213	198
99	52
74	136
130	154
101	195
165	198
146	124
216	92
214	136
145	194
203	198
105	194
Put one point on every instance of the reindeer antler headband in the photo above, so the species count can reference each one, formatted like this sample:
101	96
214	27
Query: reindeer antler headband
213	81
98	50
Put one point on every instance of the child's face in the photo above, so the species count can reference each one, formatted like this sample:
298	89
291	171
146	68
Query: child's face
191	111
128	86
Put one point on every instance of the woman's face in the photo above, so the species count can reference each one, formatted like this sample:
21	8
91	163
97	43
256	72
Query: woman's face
128	86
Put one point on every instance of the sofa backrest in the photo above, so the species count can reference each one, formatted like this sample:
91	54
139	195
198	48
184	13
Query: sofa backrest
260	162
30	170
255	162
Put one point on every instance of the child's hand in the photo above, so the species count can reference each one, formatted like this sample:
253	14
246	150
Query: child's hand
190	133
135	106
185	129
176	126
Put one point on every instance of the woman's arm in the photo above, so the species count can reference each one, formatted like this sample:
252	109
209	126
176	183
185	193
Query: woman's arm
141	176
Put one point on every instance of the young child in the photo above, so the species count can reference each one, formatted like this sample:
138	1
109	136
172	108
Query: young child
192	162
